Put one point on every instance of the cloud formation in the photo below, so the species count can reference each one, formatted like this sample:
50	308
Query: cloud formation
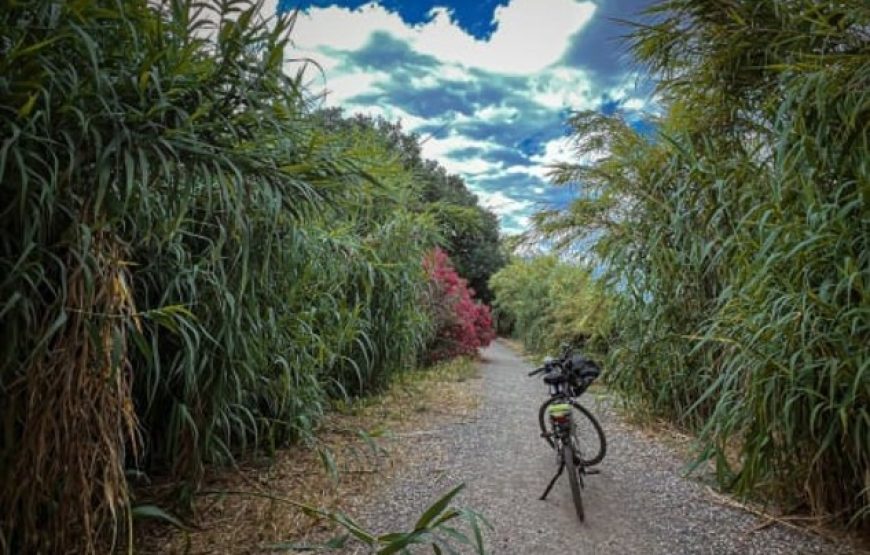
488	90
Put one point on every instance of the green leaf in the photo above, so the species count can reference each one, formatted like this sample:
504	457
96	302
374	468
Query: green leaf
354	528
27	107
154	512
401	542
437	508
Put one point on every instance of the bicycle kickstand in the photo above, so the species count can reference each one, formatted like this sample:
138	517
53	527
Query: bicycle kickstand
553	481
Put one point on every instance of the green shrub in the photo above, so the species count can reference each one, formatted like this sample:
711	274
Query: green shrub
549	303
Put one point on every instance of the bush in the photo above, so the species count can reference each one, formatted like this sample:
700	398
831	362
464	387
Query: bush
461	324
548	302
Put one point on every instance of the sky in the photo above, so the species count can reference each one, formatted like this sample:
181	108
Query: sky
487	84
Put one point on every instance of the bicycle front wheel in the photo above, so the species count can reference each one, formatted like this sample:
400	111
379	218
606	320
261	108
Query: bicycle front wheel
568	456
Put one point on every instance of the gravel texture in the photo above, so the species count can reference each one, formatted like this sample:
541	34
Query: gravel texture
639	503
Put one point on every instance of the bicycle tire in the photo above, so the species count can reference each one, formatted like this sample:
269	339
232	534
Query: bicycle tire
573	479
595	455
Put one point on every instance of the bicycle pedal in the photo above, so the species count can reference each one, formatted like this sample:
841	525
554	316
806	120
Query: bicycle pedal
594	471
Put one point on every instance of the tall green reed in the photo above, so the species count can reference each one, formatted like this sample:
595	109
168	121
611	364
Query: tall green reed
190	266
737	242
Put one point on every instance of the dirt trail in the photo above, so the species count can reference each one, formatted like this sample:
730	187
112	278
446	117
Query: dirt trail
639	503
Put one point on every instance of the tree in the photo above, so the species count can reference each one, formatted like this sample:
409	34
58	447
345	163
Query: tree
470	232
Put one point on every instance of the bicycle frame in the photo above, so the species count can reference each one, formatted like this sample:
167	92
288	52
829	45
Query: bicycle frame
562	423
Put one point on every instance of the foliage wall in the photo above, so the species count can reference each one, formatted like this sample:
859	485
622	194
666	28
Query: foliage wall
736	240
191	263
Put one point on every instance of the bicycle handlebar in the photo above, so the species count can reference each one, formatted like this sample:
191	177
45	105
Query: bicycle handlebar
547	367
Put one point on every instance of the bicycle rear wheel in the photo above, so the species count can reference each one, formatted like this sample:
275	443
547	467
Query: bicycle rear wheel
590	445
588	436
568	456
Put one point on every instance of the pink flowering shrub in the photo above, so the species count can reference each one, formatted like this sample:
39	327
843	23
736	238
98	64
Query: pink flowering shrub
462	325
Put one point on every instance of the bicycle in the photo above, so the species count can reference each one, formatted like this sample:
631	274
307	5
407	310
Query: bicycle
560	419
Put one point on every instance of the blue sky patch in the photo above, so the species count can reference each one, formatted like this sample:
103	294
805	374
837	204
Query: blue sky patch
474	17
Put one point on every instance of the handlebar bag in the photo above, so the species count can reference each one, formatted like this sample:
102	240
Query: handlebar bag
584	368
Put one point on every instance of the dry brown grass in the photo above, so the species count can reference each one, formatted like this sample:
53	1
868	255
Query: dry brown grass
362	440
66	488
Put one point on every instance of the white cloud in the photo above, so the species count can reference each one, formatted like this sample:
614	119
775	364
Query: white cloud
324	63
529	36
564	87
564	151
497	113
527	39
455	73
624	89
342	87
625	93
437	148
557	151
502	204
441	150
471	166
535	170
514	223
340	28
427	81
410	122
634	104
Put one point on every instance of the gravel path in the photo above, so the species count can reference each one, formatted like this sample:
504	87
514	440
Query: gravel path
639	503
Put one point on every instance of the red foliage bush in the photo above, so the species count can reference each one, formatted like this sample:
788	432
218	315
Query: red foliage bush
462	325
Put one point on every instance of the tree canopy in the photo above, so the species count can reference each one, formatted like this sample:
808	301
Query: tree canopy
470	232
